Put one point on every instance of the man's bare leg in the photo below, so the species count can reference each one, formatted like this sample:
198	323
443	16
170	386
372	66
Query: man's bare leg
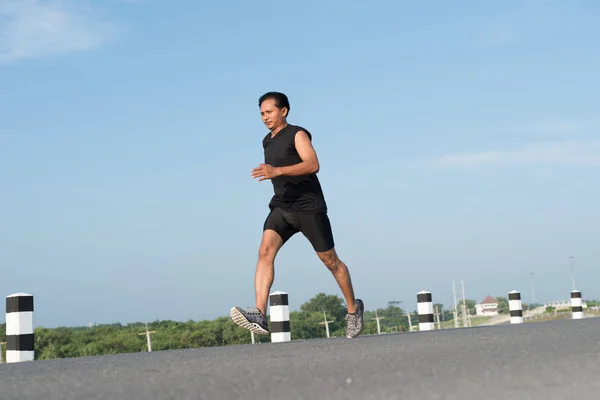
342	276
255	318
265	267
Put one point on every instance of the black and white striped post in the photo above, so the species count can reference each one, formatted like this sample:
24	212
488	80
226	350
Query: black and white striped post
280	317
515	307
576	304
425	311
19	328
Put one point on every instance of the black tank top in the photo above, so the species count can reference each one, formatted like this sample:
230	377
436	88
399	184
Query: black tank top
300	194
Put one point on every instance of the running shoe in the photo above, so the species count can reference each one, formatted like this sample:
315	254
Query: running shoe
250	318
355	320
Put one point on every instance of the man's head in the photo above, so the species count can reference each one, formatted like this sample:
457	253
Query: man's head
274	109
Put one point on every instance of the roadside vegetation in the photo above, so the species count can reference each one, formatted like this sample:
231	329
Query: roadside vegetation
305	323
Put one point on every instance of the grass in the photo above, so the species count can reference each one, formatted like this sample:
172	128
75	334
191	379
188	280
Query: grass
562	315
478	320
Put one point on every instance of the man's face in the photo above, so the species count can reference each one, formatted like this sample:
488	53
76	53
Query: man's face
271	115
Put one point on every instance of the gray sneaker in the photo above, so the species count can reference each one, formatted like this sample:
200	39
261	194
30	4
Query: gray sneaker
355	321
251	318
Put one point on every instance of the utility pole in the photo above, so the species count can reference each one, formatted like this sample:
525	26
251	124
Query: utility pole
464	306
532	289
437	316
326	323
252	336
377	317
454	310
147	333
572	272
409	320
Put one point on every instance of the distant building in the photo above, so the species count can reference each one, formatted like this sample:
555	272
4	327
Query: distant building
488	307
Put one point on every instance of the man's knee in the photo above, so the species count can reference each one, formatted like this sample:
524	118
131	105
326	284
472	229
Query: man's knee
330	259
270	245
267	251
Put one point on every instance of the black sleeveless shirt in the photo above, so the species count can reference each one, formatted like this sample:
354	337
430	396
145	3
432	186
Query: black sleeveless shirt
302	193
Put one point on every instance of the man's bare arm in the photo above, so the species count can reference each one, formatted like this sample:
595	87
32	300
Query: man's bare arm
308	165
310	161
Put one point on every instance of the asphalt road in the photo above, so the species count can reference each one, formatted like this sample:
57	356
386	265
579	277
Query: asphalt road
534	361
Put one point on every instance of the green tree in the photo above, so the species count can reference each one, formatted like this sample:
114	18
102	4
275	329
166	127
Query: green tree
447	315
470	304
333	305
502	305
395	320
307	325
3	339
593	303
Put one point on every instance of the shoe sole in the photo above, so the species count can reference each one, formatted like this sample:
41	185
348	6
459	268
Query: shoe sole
240	320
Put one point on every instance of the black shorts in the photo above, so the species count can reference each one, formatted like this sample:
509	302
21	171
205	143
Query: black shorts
315	227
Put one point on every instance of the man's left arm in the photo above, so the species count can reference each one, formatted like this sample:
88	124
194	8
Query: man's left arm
306	151
308	165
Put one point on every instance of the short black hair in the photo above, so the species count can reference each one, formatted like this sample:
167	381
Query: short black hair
281	99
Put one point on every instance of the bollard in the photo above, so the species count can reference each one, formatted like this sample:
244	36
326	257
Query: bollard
516	307
576	304
280	317
19	328
425	311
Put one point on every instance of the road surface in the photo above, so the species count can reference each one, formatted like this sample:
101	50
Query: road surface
534	361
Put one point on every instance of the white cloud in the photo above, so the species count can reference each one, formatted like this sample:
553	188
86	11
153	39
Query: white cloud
41	28
569	153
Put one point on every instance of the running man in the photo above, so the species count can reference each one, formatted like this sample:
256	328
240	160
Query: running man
298	205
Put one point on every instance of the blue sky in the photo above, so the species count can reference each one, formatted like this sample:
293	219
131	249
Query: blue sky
457	140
